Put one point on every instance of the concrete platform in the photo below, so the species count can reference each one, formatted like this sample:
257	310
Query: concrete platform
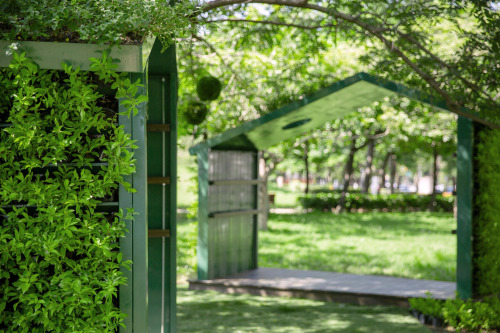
328	286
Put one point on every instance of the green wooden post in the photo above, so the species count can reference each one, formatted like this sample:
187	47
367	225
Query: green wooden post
203	231
127	243
162	175
171	243
136	292
464	207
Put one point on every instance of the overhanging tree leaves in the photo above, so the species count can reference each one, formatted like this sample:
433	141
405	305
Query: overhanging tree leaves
258	77
401	35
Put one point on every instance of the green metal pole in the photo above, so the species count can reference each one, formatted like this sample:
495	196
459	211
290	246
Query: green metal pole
465	184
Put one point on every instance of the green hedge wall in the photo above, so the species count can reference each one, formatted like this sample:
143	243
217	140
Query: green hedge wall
486	226
61	156
368	202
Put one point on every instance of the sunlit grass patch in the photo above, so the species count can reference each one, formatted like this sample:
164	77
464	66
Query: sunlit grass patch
187	235
413	245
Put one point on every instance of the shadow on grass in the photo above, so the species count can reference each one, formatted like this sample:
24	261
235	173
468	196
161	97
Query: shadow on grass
205	311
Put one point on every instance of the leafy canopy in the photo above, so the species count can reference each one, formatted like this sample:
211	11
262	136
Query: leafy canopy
448	49
95	21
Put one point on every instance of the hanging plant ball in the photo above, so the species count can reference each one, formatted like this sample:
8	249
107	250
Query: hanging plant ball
195	112
208	88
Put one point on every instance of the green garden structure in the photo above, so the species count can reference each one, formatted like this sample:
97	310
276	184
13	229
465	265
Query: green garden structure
228	175
148	298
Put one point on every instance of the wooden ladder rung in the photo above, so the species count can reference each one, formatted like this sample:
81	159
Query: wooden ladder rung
235	182
158	180
158	233
158	127
234	213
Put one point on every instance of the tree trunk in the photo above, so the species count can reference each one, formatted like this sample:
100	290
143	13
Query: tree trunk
266	166
454	180
417	179
368	166
329	178
347	175
435	171
393	171
306	162
382	172
263	193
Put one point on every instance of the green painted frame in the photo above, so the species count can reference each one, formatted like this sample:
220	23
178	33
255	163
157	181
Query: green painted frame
162	189
243	137
152	280
50	55
240	138
133	295
149	300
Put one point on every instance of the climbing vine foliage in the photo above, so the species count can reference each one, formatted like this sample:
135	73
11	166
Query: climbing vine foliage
62	158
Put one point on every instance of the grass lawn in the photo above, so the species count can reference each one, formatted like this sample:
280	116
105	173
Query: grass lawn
186	183
187	236
413	245
285	197
418	245
205	311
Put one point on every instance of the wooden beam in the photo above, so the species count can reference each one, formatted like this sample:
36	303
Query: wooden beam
235	182
235	213
158	127
158	180
158	233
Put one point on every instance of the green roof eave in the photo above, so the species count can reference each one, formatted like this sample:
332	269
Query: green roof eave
313	111
50	55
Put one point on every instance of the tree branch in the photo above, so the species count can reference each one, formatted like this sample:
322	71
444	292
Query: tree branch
444	64
379	134
212	48
274	23
223	3
235	76
375	31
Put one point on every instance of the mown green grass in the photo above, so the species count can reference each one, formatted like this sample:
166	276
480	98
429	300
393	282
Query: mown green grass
287	195
418	245
186	179
187	235
284	197
205	311
413	245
